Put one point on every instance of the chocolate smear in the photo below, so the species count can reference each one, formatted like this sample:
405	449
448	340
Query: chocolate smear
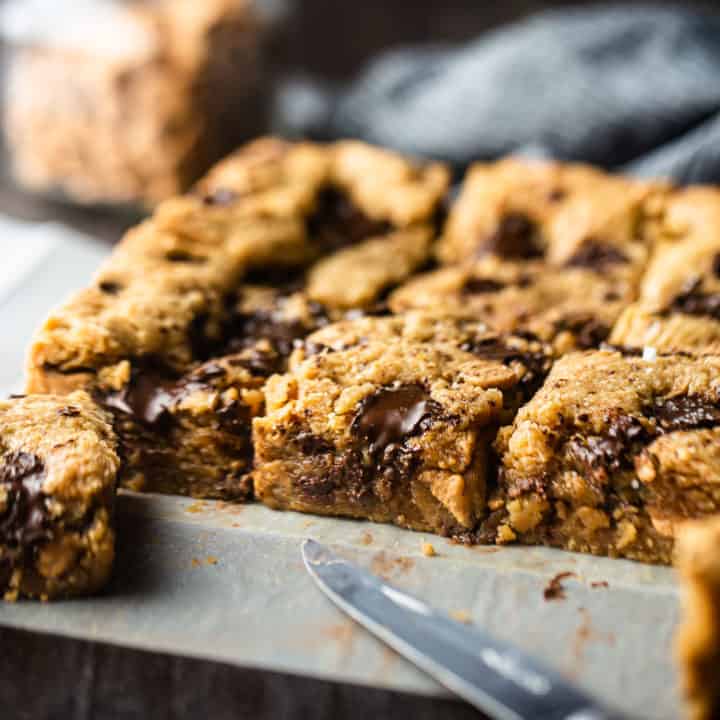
25	519
391	415
516	236
685	412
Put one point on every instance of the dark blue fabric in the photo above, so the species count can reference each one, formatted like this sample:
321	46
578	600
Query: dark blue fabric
628	87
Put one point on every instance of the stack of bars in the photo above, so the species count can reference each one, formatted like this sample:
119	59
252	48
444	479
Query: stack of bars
311	328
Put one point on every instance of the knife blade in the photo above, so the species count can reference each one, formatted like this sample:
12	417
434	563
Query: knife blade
494	676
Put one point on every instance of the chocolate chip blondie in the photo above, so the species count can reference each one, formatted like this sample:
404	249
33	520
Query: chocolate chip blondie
554	250
243	265
698	640
390	419
679	303
611	454
523	210
58	471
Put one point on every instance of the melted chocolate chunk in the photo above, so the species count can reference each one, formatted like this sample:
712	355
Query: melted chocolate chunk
245	329
259	363
478	286
589	332
692	301
235	418
557	195
517	236
202	345
25	521
146	398
685	412
596	255
625	436
110	288
391	415
337	222
183	256
221	197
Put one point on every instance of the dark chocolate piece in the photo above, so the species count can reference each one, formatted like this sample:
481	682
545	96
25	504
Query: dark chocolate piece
596	255
589	332
692	301
337	222
110	288
25	521
258	362
391	415
245	329
516	236
478	286
625	437
685	412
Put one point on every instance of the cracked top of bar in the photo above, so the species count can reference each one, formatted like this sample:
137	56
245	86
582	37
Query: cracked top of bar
165	289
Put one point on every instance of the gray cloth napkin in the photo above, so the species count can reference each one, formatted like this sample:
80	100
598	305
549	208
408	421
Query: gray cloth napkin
631	87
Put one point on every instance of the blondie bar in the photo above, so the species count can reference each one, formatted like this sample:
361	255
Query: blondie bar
611	454
391	419
227	270
698	641
138	99
679	303
58	471
553	250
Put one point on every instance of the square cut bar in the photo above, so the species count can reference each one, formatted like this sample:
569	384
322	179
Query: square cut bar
58	472
182	288
554	250
679	303
138	100
610	455
390	420
698	640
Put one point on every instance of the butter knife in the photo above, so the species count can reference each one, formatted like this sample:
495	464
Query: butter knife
497	678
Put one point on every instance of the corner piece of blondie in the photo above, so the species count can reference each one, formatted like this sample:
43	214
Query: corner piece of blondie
58	471
612	453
